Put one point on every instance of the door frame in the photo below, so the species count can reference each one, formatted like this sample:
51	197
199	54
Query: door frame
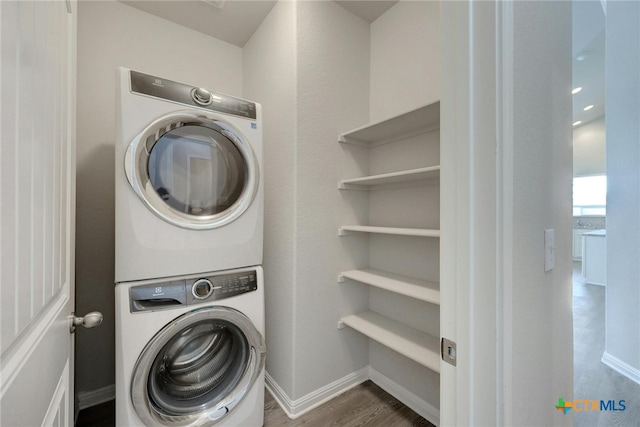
481	305
477	210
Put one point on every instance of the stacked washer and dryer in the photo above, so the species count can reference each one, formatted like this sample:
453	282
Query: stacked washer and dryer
189	288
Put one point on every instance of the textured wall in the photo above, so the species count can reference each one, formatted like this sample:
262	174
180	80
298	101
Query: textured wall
333	96
308	65
111	34
405	58
270	78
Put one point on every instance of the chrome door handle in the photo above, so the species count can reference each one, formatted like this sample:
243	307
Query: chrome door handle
89	320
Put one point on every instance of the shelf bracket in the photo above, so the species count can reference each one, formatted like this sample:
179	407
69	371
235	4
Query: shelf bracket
341	278
341	324
343	232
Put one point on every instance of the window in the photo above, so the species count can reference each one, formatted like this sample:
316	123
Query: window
590	195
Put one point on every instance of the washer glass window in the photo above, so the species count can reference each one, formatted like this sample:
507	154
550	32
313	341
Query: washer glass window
198	367
197	170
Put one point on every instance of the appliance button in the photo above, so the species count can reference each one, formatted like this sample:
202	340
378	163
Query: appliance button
201	96
202	289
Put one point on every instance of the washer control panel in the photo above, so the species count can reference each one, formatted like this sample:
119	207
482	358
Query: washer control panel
171	294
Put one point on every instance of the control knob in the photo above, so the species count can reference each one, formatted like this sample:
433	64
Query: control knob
202	289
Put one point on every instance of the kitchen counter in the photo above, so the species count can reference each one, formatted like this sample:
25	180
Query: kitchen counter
594	257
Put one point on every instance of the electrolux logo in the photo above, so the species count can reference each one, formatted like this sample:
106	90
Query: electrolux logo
590	405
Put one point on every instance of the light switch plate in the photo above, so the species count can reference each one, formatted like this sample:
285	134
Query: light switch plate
549	249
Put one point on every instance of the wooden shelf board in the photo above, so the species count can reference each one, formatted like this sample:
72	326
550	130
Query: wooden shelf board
412	343
418	232
422	290
432	172
414	122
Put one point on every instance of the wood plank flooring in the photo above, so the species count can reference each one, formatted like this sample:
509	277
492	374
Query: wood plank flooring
593	380
364	405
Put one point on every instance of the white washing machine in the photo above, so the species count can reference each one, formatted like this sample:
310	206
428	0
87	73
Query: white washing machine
189	193
190	351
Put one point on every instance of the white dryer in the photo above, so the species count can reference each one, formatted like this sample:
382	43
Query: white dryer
189	193
190	351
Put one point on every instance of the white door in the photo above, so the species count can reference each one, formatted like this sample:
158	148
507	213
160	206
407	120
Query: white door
37	208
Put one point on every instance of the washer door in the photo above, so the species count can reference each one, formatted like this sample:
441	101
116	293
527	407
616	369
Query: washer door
197	368
193	170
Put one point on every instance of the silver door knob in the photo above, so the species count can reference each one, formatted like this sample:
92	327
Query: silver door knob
90	320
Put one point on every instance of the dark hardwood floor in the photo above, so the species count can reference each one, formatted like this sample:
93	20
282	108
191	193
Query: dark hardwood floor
363	405
103	415
593	380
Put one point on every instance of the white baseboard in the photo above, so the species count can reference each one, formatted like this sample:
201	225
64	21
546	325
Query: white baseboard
418	405
621	367
87	399
294	408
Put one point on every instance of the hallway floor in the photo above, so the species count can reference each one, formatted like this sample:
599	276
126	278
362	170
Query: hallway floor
592	379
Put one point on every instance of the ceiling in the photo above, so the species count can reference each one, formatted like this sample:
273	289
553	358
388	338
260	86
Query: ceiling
237	20
588	60
367	10
234	23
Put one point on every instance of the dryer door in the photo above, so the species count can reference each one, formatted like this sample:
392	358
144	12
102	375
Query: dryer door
197	368
193	170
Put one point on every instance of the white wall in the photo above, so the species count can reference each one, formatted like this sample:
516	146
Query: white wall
111	34
623	176
539	357
308	64
270	78
589	148
405	58
333	96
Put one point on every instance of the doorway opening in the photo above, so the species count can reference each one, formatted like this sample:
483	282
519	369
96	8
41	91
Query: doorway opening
593	378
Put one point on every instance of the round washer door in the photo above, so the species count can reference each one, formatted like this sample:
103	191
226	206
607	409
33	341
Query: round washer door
193	170
197	368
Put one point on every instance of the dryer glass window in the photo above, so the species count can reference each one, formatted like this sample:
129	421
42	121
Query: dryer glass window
198	367
197	170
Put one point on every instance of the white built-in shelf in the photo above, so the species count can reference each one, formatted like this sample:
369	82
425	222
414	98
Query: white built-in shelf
414	122
364	183
404	285
412	343
417	232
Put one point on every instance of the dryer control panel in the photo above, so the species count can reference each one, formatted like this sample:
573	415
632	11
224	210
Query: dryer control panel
171	294
158	87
